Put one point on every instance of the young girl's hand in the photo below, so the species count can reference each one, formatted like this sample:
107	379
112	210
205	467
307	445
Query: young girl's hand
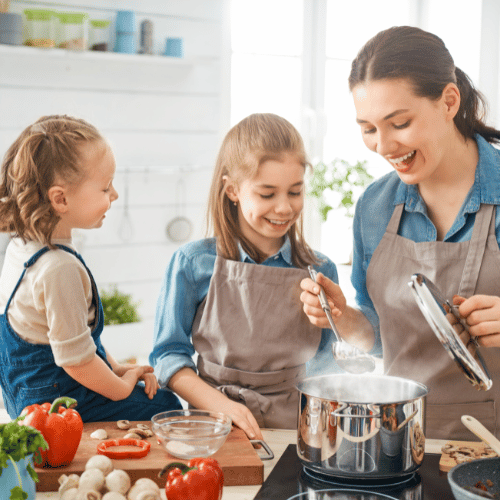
151	384
242	417
312	305
482	313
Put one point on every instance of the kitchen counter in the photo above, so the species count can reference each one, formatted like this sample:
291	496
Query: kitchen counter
278	440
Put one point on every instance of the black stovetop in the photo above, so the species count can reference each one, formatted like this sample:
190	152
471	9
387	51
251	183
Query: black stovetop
289	480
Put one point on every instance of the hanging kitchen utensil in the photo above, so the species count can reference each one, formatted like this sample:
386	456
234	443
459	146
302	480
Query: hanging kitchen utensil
180	227
126	230
349	358
435	307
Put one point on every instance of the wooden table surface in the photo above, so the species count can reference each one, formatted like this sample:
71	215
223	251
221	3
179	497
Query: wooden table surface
278	440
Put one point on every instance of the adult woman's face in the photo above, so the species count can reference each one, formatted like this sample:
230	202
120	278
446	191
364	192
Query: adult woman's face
412	133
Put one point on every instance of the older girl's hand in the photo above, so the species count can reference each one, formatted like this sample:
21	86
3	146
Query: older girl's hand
482	313
312	305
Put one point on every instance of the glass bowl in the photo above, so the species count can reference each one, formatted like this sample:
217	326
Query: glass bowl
191	433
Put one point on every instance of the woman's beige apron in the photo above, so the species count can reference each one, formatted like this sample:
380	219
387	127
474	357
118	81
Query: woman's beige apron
253	338
411	349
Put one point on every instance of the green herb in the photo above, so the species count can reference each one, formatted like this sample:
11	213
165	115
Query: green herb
118	308
18	442
343	180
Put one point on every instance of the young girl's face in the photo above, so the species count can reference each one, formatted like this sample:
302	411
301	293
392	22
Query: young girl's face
89	200
270	202
409	131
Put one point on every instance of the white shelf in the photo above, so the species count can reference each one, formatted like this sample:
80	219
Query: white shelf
91	55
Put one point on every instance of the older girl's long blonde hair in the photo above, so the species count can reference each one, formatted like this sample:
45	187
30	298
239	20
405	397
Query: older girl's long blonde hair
45	152
254	140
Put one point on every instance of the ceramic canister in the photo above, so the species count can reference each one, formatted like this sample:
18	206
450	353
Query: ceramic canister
11	28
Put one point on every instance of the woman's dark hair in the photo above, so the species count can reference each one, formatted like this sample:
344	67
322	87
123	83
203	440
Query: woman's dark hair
411	53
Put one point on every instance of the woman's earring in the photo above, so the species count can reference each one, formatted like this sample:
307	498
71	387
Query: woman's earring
235	203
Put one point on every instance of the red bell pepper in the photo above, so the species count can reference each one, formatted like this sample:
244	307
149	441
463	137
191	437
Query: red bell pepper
200	479
61	427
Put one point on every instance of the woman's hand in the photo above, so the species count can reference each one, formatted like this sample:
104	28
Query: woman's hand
482	313
312	305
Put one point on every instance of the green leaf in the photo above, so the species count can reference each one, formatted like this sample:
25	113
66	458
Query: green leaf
17	493
118	307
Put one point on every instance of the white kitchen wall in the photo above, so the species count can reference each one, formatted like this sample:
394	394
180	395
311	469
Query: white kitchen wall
164	118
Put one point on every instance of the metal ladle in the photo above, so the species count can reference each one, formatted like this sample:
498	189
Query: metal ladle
349	358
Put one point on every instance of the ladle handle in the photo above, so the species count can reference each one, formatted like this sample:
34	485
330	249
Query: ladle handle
324	303
481	432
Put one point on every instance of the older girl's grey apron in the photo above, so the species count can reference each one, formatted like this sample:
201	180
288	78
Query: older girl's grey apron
411	349
253	338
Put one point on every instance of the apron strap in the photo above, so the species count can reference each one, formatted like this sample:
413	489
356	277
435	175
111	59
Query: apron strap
393	226
483	225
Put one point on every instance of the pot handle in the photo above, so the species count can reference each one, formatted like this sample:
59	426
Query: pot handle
270	454
336	413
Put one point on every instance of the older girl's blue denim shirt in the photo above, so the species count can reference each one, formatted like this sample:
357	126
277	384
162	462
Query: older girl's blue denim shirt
184	287
375	207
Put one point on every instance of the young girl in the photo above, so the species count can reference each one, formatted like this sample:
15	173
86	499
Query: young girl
58	175
236	296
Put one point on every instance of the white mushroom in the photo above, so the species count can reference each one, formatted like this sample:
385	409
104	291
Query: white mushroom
113	495
118	481
143	484
100	462
86	494
91	479
69	494
68	483
148	495
99	434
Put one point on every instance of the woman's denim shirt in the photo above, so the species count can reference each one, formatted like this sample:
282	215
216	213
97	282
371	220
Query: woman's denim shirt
375	207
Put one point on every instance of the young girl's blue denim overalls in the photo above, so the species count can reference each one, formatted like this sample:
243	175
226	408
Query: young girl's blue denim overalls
29	374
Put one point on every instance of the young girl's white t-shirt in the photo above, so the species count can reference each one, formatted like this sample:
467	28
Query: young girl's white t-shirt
53	304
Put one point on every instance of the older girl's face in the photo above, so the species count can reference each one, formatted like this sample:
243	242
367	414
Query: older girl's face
412	133
270	202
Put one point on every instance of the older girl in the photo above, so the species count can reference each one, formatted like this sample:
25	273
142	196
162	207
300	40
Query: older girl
436	214
235	296
57	176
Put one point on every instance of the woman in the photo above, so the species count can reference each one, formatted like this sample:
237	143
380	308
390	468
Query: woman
436	214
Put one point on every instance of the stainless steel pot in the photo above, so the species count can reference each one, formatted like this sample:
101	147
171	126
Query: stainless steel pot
354	425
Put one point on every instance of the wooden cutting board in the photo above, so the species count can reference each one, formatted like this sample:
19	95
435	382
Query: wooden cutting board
447	462
237	457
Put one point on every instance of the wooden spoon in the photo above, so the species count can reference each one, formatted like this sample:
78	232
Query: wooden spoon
481	432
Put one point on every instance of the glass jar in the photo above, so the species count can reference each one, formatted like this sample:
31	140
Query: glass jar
39	28
99	34
72	30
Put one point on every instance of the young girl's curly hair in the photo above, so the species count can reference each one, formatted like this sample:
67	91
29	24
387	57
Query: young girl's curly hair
46	152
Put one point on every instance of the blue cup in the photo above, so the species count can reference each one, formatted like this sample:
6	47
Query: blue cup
174	47
125	43
125	21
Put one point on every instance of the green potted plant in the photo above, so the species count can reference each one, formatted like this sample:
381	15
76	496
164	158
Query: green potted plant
124	332
337	186
118	307
18	445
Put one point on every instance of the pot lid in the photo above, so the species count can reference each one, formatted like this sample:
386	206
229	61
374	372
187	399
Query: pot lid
435	307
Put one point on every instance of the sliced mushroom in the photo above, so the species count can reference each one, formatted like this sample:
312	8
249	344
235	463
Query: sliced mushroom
144	433
132	435
68	482
123	424
144	427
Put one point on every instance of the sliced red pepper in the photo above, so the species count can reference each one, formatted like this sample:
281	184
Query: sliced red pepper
142	451
61	427
200	479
